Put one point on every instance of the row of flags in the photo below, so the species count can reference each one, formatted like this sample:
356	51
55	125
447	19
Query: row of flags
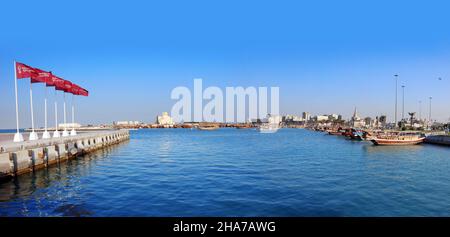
40	76
37	75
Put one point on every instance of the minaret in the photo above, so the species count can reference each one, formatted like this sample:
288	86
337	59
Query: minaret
356	119
355	115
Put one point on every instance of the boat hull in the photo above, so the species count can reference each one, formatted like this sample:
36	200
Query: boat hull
335	133
208	128
394	142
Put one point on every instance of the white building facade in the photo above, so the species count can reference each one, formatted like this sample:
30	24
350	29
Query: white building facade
164	119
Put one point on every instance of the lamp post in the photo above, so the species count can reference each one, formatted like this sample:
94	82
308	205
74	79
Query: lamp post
429	115
395	116
420	110
403	102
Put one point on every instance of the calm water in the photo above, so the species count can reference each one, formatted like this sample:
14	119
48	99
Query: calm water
230	172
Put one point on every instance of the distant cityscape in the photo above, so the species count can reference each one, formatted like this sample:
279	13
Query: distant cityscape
306	119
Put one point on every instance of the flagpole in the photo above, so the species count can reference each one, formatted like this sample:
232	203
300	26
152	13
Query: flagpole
46	134
33	134
65	133
56	132
73	132
18	136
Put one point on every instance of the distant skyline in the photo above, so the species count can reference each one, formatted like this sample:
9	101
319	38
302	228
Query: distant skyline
326	56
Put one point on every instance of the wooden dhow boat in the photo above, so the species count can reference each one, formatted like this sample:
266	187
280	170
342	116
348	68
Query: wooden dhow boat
398	139
337	132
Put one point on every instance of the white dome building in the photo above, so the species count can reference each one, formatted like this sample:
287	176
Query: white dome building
164	119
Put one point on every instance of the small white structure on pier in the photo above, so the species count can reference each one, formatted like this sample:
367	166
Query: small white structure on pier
69	125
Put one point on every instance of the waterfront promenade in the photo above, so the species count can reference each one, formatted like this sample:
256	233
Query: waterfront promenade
22	157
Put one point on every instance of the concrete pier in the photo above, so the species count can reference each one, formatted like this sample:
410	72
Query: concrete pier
28	156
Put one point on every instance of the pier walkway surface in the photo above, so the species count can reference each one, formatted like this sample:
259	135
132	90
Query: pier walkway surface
21	157
7	138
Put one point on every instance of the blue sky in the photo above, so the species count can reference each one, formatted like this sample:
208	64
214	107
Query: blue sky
326	56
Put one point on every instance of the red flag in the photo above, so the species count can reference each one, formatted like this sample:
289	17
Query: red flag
24	71
75	89
67	86
51	81
41	76
59	83
83	92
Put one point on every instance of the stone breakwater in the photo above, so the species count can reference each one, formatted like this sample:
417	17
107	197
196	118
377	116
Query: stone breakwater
28	156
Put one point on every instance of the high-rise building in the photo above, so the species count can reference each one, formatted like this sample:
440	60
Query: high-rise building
322	118
368	121
333	116
383	120
306	116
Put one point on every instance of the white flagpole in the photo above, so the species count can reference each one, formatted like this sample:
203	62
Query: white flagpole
65	133
18	136
46	134
56	132
73	132
33	135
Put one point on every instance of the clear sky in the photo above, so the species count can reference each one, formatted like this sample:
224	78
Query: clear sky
326	56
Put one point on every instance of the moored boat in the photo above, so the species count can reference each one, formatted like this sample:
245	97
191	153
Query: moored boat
348	132
271	126
359	135
209	128
268	128
338	133
396	139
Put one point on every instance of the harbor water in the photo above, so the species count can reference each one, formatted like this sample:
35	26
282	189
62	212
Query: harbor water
238	172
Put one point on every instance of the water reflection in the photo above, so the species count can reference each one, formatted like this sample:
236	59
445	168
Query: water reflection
391	150
62	174
165	147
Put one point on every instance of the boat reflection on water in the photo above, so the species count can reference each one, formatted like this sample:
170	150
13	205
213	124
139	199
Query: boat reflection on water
268	128
390	150
271	125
